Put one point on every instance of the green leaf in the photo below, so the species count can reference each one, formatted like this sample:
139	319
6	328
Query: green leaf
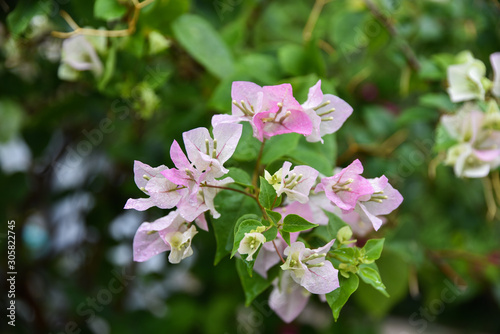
313	159
18	20
379	120
246	226
415	114
286	236
394	271
204	44
108	10
252	285
231	206
278	146
11	115
248	146
275	216
295	223
262	68
372	277
300	60
239	176
373	248
271	234
439	101
243	218
319	156
346	254
109	68
335	223
338	297
267	194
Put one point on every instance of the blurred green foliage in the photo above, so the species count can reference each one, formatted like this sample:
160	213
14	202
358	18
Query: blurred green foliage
387	59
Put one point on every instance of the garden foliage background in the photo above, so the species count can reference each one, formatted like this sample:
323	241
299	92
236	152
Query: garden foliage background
67	152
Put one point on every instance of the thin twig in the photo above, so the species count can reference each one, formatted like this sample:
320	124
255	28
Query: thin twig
490	200
405	48
277	251
77	30
227	188
69	20
313	19
257	165
433	166
495	180
383	149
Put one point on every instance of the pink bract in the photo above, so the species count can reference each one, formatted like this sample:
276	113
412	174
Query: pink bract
345	187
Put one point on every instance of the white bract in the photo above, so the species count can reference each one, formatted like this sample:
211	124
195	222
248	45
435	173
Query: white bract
250	244
466	80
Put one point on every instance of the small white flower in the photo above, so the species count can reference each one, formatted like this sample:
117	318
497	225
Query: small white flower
250	243
78	54
275	179
180	243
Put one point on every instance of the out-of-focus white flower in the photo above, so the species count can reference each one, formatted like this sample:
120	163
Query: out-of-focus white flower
78	54
466	80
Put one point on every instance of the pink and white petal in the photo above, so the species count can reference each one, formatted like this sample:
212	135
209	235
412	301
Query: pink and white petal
325	248
358	226
141	169
139	204
178	177
228	136
178	157
486	155
201	222
147	240
280	94
379	183
314	97
248	92
321	280
163	192
393	201
190	211
297	122
289	299
225	119
147	245
194	141
297	208
266	259
367	217
315	135
341	113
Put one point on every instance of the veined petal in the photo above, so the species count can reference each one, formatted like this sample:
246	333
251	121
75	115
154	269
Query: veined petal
314	97
288	298
139	204
148	241
227	136
141	169
321	280
178	157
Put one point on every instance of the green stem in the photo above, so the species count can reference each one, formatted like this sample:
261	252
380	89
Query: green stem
277	251
227	188
256	171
